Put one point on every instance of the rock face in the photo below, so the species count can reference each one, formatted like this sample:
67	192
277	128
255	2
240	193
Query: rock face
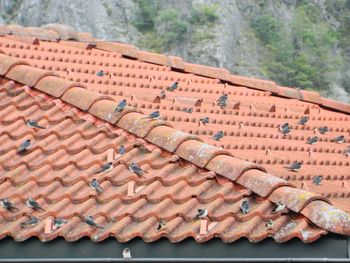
230	42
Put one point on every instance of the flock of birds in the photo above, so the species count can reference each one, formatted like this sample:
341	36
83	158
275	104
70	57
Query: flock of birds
285	129
202	213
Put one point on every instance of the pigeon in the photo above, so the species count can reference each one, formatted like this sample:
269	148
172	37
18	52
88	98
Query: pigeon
323	130
121	106
59	222
278	208
312	140
31	222
222	101
25	146
106	167
295	166
317	179
153	116
188	110
217	136
204	120
269	224
161	226
135	168
90	221
34	124
121	150
201	213
126	253
96	186
245	207
303	120
339	139
34	204
5	203
100	73
162	95
173	86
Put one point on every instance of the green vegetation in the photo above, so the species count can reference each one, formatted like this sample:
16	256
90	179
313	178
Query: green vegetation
145	15
301	56
204	14
164	29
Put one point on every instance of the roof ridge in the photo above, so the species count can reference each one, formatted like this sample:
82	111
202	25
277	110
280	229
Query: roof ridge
187	146
58	32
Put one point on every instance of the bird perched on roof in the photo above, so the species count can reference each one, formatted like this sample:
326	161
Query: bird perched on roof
161	225
33	124
313	140
34	204
245	207
135	168
285	128
59	222
280	206
126	253
303	120
31	222
204	120
96	186
153	116
91	222
222	101
141	145
323	130
347	151
295	166
121	150
106	167
25	146
201	213
317	179
173	86
339	139
218	136
162	94
269	224
121	106
5	203
100	73
188	110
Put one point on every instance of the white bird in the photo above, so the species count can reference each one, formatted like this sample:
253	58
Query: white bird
201	213
126	253
279	207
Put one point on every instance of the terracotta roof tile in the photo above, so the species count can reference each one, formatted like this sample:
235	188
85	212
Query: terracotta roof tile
198	174
82	98
21	74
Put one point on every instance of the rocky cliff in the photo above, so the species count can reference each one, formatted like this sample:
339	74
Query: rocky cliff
293	42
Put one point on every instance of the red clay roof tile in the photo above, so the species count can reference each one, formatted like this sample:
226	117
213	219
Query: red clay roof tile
125	50
27	75
65	32
55	86
173	189
176	62
9	62
82	98
199	153
168	138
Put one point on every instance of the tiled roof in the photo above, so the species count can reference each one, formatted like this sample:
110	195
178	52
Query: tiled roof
56	84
